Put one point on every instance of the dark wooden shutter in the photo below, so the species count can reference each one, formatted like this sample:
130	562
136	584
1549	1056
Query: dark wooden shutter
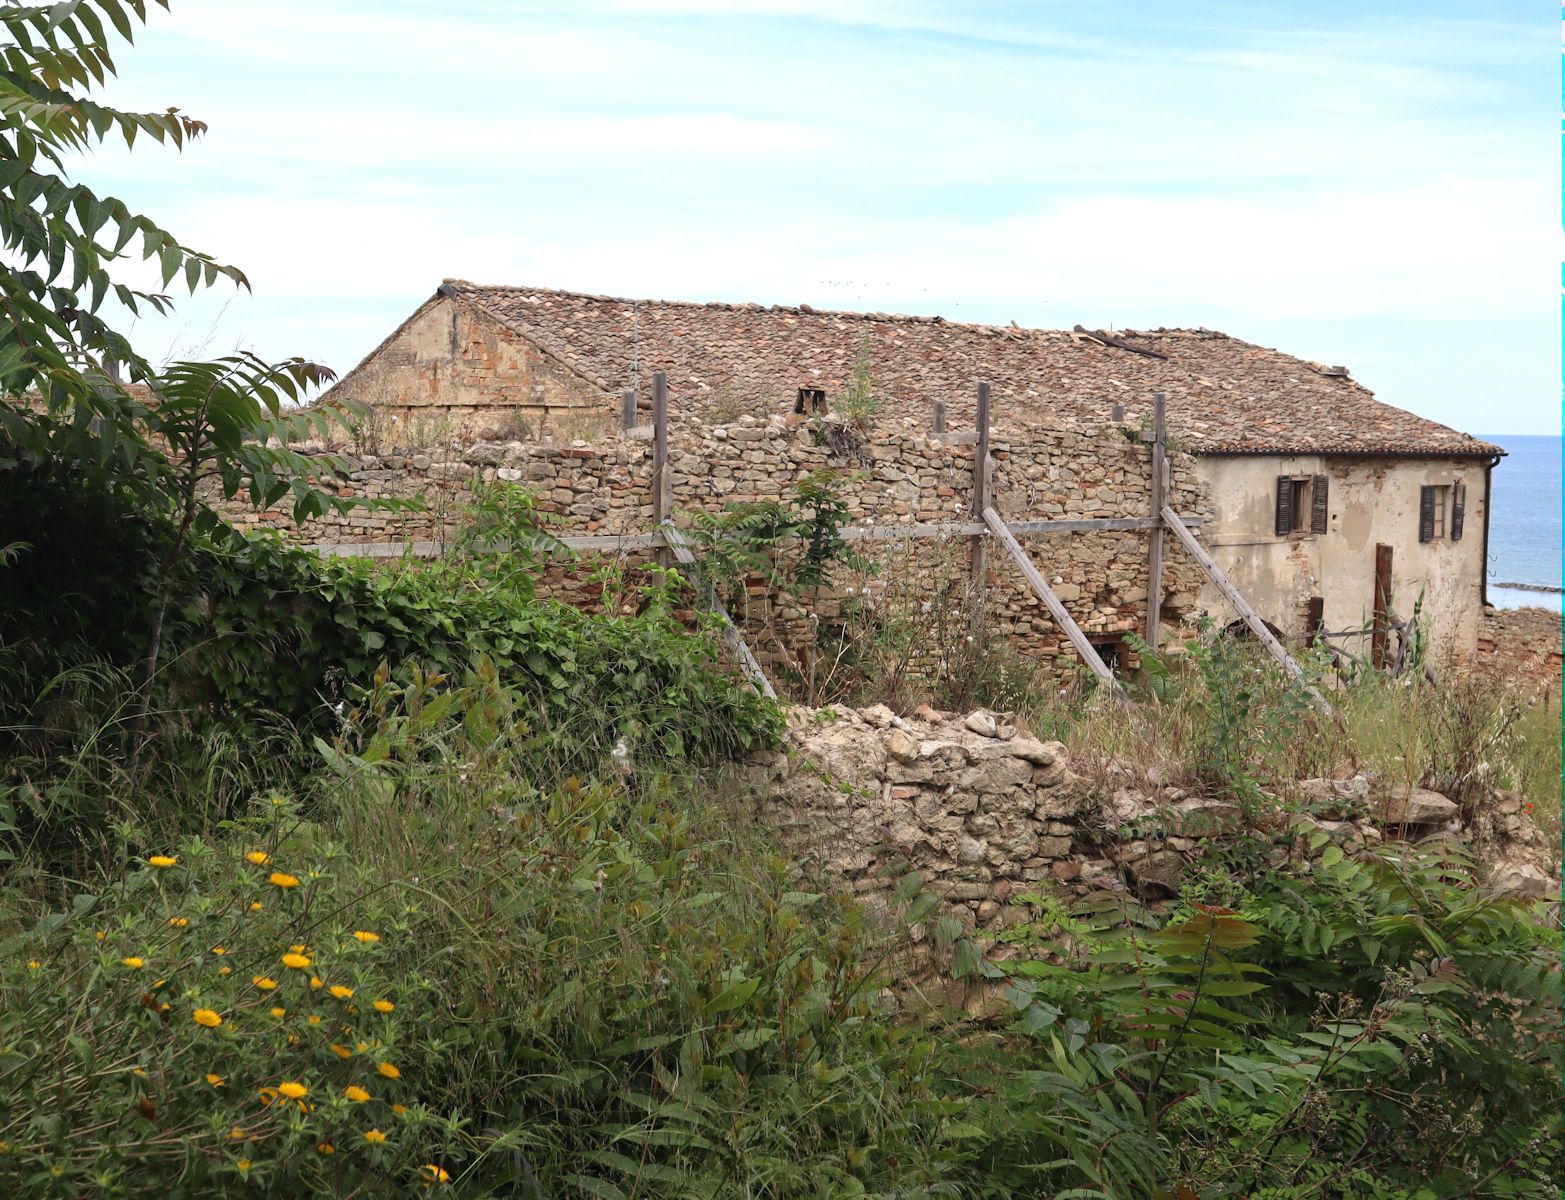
1426	514
1458	504
1284	505
1318	493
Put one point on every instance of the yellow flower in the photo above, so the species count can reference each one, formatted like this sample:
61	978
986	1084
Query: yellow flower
215	1080
205	1016
299	948
326	1148
340	1051
262	982
374	1137
100	935
256	906
33	964
316	982
178	922
296	961
342	993
389	1071
355	1093
259	857
384	1006
434	1174
314	1018
279	879
236	1133
362	1047
365	935
225	970
243	1164
133	962
219	951
294	1091
399	1109
279	1013
157	983
164	1007
162	860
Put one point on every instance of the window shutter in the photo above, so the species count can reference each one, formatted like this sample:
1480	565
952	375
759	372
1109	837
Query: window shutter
1458	504
1426	514
1318	513
1284	505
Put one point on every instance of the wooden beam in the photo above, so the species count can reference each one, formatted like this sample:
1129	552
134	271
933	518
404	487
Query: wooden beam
1155	551
660	488
980	490
726	627
1041	587
1242	607
627	410
851	533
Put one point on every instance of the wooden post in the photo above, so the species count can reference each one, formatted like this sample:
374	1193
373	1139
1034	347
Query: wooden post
980	489
1242	607
660	488
1155	552
1382	611
940	416
1044	592
627	410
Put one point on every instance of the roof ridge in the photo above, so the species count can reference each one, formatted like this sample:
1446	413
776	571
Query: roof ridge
811	310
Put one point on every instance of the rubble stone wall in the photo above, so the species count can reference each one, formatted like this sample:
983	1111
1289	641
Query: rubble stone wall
895	475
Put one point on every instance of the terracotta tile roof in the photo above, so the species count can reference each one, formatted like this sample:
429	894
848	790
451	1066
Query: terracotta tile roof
1225	396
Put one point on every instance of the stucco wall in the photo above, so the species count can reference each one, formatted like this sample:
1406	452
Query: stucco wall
1372	500
452	371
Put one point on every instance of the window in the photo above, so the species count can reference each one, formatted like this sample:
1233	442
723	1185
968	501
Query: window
1441	509
1302	504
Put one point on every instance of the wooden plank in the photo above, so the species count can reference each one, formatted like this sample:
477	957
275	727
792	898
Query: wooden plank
980	491
1155	551
726	627
1078	639
958	437
1242	607
627	410
851	533
660	487
1382	610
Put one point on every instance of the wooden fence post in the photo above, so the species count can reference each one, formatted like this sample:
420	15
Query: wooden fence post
980	491
1155	553
660	488
627	410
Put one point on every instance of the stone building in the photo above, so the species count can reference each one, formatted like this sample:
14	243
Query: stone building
1304	478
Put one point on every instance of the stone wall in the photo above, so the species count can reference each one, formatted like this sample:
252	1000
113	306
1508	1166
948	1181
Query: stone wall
897	474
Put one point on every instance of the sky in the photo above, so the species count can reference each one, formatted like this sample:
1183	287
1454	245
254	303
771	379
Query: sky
1371	183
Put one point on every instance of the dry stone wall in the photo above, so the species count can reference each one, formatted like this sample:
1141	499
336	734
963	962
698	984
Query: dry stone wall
896	474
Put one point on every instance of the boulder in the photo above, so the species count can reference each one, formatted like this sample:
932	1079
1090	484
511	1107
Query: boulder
1416	806
1035	752
902	746
982	722
1523	879
1335	796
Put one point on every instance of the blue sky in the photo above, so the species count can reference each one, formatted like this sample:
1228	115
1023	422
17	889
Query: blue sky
1375	184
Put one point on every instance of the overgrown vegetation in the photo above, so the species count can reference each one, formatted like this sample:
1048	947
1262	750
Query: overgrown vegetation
329	878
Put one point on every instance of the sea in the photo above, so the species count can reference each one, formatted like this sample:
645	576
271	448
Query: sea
1524	524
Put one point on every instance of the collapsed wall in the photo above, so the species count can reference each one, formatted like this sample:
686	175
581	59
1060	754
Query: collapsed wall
896	474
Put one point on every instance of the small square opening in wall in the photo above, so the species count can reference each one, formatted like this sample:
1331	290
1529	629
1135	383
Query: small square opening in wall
810	400
1114	652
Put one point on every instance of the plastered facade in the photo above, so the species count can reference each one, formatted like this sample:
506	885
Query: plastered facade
1371	501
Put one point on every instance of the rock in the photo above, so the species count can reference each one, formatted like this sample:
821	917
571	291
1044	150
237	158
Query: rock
981	722
969	850
1065	870
878	715
1205	818
1053	847
1335	796
1126	805
1416	806
931	715
902	746
1157	873
1523	879
1033	751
